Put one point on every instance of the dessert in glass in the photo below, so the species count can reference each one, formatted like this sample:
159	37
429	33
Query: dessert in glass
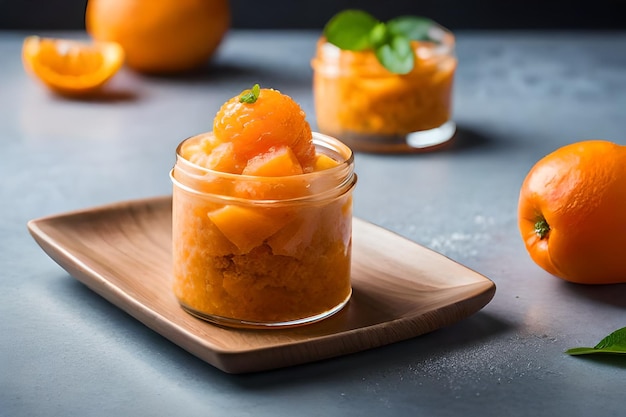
372	109
262	217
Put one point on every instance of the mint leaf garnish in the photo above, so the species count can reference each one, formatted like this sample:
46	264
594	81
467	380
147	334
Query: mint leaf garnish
413	27
350	30
396	55
250	96
613	343
357	30
379	35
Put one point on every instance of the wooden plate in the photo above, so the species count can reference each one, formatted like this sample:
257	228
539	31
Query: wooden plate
400	289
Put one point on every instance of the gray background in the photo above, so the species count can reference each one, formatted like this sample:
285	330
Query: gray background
65	351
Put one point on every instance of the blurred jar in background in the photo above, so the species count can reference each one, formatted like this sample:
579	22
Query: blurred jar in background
374	110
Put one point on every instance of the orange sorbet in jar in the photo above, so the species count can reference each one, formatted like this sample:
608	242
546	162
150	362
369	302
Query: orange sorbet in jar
372	108
262	217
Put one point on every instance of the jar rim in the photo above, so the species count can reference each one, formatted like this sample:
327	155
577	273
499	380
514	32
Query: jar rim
344	172
442	45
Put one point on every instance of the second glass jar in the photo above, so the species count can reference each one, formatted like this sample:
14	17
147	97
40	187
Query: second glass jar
371	109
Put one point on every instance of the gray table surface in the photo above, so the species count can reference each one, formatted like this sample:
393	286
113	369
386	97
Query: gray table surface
65	351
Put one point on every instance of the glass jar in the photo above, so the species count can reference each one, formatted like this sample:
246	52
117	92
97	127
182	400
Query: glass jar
373	110
263	252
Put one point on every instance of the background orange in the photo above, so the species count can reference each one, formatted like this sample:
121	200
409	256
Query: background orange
163	36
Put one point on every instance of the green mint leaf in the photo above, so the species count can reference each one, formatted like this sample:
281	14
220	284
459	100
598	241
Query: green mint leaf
396	55
613	343
379	35
350	30
250	96
581	351
616	340
357	30
413	27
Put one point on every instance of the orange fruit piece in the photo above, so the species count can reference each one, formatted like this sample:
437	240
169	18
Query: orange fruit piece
247	227
160	36
277	162
71	67
572	212
272	119
323	162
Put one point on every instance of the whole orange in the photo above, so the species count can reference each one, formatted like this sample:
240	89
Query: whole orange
160	36
572	212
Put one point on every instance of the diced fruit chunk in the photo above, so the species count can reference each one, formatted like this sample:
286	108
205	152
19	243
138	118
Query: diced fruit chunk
323	162
247	227
295	238
222	158
277	162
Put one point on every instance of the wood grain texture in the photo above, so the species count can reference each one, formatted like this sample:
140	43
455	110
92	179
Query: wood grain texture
400	289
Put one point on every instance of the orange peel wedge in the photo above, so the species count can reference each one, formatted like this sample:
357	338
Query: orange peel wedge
71	67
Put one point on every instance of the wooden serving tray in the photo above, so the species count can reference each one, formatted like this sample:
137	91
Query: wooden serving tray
400	289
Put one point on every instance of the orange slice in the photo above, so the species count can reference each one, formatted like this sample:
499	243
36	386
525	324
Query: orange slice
71	67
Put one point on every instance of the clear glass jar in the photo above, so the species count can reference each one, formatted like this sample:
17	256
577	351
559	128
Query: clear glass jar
373	110
279	260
